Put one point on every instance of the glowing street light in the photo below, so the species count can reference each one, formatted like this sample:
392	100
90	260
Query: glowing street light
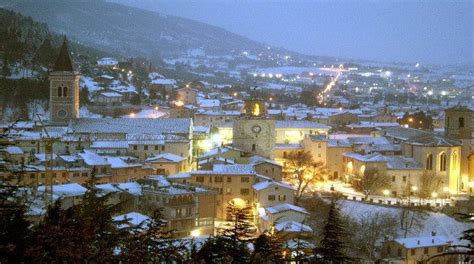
132	114
434	194
386	192
414	188
195	233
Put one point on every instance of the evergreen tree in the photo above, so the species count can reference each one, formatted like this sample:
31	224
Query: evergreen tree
81	233
136	100
14	228
152	243
332	248
267	249
6	67
222	249
239	222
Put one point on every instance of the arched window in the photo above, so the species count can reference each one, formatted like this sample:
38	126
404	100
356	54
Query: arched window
65	91
461	122
253	147
429	161
442	162
454	160
60	91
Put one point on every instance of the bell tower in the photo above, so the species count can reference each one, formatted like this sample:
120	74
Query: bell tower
63	89
253	132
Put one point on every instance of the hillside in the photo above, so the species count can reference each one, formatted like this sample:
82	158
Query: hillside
131	31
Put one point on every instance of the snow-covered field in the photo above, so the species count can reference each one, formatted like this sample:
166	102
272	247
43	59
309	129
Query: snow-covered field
148	113
438	222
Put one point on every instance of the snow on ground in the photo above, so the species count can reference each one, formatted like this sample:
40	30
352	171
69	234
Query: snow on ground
91	85
147	113
84	112
440	223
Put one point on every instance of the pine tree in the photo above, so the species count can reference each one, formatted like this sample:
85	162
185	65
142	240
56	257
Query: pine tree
239	222
14	228
332	248
81	233
267	249
6	67
154	244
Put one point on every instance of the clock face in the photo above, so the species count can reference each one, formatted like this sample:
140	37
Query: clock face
256	129
62	113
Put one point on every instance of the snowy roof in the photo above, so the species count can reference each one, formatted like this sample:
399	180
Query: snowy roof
420	242
288	146
234	169
161	180
92	159
401	162
432	140
109	144
165	157
267	184
184	175
402	133
300	124
14	150
133	219
66	190
164	81
375	157
153	126
119	162
285	207
111	94
130	187
292	226
373	124
259	159
209	103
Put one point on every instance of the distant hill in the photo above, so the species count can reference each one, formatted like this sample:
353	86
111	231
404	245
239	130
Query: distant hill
130	31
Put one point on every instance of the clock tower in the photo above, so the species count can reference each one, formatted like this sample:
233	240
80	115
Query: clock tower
253	132
63	89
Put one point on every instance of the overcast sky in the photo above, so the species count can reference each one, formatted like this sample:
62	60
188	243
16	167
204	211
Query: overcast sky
432	31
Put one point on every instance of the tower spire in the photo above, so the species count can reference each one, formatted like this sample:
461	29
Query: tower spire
63	61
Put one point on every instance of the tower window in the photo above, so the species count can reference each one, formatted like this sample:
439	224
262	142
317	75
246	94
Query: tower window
461	122
60	91
64	91
253	147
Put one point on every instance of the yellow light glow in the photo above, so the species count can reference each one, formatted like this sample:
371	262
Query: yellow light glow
196	232
239	202
235	94
178	103
386	192
434	194
471	184
445	189
132	114
256	110
156	107
414	188
410	119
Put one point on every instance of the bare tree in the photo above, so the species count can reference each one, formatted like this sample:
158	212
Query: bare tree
371	181
430	183
304	171
368	230
411	218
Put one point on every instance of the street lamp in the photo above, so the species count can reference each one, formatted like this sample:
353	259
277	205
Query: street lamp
386	192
